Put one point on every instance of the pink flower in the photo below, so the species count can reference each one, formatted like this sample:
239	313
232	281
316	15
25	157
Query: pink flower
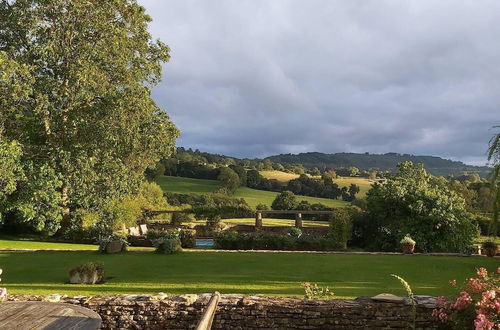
475	285
482	323
3	292
491	294
482	272
463	301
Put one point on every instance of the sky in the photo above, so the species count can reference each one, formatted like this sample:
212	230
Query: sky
253	78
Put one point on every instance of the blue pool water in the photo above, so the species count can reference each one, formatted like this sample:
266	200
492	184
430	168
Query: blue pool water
204	243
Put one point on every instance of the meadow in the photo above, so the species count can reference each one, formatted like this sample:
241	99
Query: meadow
252	196
363	183
348	275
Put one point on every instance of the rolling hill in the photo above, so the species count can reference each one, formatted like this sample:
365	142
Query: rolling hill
385	162
252	196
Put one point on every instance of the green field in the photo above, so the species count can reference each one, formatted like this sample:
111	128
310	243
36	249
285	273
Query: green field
363	183
236	272
252	196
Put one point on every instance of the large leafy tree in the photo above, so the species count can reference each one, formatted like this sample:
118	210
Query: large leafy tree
494	156
82	108
413	202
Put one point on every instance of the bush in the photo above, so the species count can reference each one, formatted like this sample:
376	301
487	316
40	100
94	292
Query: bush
416	203
295	232
188	238
285	200
341	225
262	207
168	243
153	234
476	304
232	240
179	217
484	223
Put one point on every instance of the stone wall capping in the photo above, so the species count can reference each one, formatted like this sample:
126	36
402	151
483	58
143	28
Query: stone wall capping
161	311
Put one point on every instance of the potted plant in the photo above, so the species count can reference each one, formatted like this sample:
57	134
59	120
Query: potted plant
490	248
112	244
408	244
87	273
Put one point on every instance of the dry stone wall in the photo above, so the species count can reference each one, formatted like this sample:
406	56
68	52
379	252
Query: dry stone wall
249	312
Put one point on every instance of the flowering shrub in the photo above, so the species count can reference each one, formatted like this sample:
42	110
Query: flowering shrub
407	240
477	306
313	291
3	291
103	242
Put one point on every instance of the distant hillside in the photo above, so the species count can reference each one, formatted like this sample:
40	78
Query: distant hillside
388	161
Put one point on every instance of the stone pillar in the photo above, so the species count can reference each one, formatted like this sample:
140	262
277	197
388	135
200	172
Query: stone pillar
258	220
298	220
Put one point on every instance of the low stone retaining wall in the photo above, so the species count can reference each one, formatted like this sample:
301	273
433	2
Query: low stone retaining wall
249	312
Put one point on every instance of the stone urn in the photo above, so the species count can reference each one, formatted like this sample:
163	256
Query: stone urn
408	248
114	247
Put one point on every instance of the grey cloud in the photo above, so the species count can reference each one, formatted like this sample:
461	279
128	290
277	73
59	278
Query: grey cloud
255	77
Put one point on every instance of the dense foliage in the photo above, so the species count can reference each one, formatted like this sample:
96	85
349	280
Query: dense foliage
232	240
494	156
384	162
75	81
413	202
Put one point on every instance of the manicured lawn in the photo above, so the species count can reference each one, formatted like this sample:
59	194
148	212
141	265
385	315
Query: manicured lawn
238	272
252	196
15	243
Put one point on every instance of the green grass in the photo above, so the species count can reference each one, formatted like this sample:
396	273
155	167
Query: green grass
252	196
16	243
363	183
245	273
187	185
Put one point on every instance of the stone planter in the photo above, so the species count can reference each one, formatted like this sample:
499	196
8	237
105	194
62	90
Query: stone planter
84	278
114	247
491	252
408	248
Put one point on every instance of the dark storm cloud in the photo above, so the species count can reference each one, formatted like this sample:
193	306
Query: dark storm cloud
257	77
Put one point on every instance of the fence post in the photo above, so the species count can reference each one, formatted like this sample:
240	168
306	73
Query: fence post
298	220
258	220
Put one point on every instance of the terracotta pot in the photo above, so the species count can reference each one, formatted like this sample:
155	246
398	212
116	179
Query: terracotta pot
491	252
114	247
408	248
